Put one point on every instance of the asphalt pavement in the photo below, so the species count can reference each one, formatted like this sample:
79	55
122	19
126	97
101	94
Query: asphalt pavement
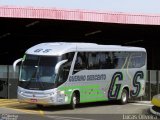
12	109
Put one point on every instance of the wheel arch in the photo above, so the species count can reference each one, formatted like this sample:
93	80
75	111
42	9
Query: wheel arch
126	87
77	92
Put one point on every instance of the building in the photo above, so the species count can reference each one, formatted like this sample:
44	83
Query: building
26	23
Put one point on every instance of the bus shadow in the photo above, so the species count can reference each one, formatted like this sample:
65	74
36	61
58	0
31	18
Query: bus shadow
52	108
79	106
98	104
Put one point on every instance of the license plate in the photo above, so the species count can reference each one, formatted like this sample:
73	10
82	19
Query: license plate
34	100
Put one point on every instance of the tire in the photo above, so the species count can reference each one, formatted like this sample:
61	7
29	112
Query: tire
124	97
73	101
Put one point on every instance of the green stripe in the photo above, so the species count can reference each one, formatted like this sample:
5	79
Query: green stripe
88	93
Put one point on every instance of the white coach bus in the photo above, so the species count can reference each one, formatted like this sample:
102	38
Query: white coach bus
71	73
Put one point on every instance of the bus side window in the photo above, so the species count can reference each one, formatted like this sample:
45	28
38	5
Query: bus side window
119	60
109	62
80	63
93	61
63	74
132	61
65	68
102	60
137	60
90	61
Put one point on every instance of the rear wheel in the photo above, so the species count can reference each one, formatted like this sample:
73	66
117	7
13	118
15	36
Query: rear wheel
73	101
124	97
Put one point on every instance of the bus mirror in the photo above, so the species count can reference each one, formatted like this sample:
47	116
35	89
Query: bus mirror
15	63
58	65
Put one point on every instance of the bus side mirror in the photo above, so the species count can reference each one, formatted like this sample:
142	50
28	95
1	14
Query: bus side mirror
15	63
58	65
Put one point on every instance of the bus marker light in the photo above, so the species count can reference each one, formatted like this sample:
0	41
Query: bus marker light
61	92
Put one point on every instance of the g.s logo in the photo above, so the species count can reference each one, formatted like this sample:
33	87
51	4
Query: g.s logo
137	84
114	95
42	50
115	88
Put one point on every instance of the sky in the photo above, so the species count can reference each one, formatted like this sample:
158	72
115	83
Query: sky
131	6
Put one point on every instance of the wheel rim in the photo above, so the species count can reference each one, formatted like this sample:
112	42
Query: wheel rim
124	97
74	100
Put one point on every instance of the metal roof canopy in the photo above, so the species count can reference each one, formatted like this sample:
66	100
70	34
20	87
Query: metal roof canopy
79	15
22	28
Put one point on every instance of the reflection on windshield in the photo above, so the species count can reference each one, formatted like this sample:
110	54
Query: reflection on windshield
38	72
40	69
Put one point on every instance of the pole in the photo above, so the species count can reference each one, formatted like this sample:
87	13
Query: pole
8	84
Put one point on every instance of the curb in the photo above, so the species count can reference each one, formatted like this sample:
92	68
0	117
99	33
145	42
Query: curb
153	111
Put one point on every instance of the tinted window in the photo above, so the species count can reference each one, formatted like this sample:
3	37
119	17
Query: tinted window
38	72
65	68
106	60
93	61
81	62
120	59
101	60
137	60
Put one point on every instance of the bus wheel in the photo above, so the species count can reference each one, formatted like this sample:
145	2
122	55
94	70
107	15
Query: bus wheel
73	101
124	97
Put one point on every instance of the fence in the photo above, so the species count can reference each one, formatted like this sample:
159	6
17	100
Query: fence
9	82
152	84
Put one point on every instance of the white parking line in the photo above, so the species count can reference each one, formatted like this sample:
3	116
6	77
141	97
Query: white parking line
146	102
66	118
143	104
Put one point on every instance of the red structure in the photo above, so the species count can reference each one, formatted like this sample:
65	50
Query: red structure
79	15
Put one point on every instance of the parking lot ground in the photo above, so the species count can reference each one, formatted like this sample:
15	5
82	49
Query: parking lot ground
89	111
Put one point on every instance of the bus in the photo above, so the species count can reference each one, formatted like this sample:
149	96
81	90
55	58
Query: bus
61	73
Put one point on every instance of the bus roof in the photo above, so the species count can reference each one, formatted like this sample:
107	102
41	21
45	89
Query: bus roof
59	48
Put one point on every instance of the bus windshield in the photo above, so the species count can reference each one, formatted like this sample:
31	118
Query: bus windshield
38	72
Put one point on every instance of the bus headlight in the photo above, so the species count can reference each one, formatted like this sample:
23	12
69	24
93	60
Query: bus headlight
60	92
20	92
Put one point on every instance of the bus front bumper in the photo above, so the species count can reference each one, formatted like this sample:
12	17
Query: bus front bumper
34	100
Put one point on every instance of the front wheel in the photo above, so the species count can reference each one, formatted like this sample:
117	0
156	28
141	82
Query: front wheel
124	97
73	101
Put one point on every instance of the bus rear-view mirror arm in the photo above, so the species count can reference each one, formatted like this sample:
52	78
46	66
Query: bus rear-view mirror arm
15	63
58	65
